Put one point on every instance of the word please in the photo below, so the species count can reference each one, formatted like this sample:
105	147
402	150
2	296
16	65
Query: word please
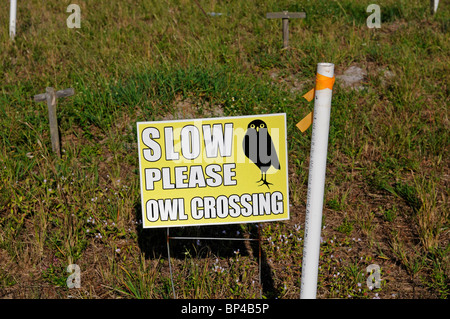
190	177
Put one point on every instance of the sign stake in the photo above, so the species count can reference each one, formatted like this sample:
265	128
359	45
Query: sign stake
221	239
50	96
12	18
170	265
316	181
285	16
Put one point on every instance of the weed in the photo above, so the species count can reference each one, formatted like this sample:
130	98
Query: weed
346	227
389	215
431	217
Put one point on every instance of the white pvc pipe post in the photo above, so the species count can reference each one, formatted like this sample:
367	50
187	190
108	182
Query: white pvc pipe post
434	6
12	19
316	185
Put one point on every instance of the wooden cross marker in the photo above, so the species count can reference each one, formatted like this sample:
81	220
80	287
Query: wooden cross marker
50	96
285	16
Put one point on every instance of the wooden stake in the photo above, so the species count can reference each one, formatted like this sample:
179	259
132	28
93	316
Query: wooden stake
50	96
285	16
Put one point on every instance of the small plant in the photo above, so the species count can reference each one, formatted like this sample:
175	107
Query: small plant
431	216
55	274
367	224
389	215
346	227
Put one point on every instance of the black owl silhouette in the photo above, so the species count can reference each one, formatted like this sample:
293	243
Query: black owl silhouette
259	148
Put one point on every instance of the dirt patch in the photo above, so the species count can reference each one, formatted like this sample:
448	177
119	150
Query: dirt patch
190	108
293	82
353	78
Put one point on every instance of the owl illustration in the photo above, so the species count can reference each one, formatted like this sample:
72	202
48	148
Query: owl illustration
258	147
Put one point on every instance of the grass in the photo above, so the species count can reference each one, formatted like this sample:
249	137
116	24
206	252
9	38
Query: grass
386	196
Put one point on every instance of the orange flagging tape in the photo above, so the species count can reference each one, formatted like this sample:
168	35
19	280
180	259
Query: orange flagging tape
322	82
306	122
310	95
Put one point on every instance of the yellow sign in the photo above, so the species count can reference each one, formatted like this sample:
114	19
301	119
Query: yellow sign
213	171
